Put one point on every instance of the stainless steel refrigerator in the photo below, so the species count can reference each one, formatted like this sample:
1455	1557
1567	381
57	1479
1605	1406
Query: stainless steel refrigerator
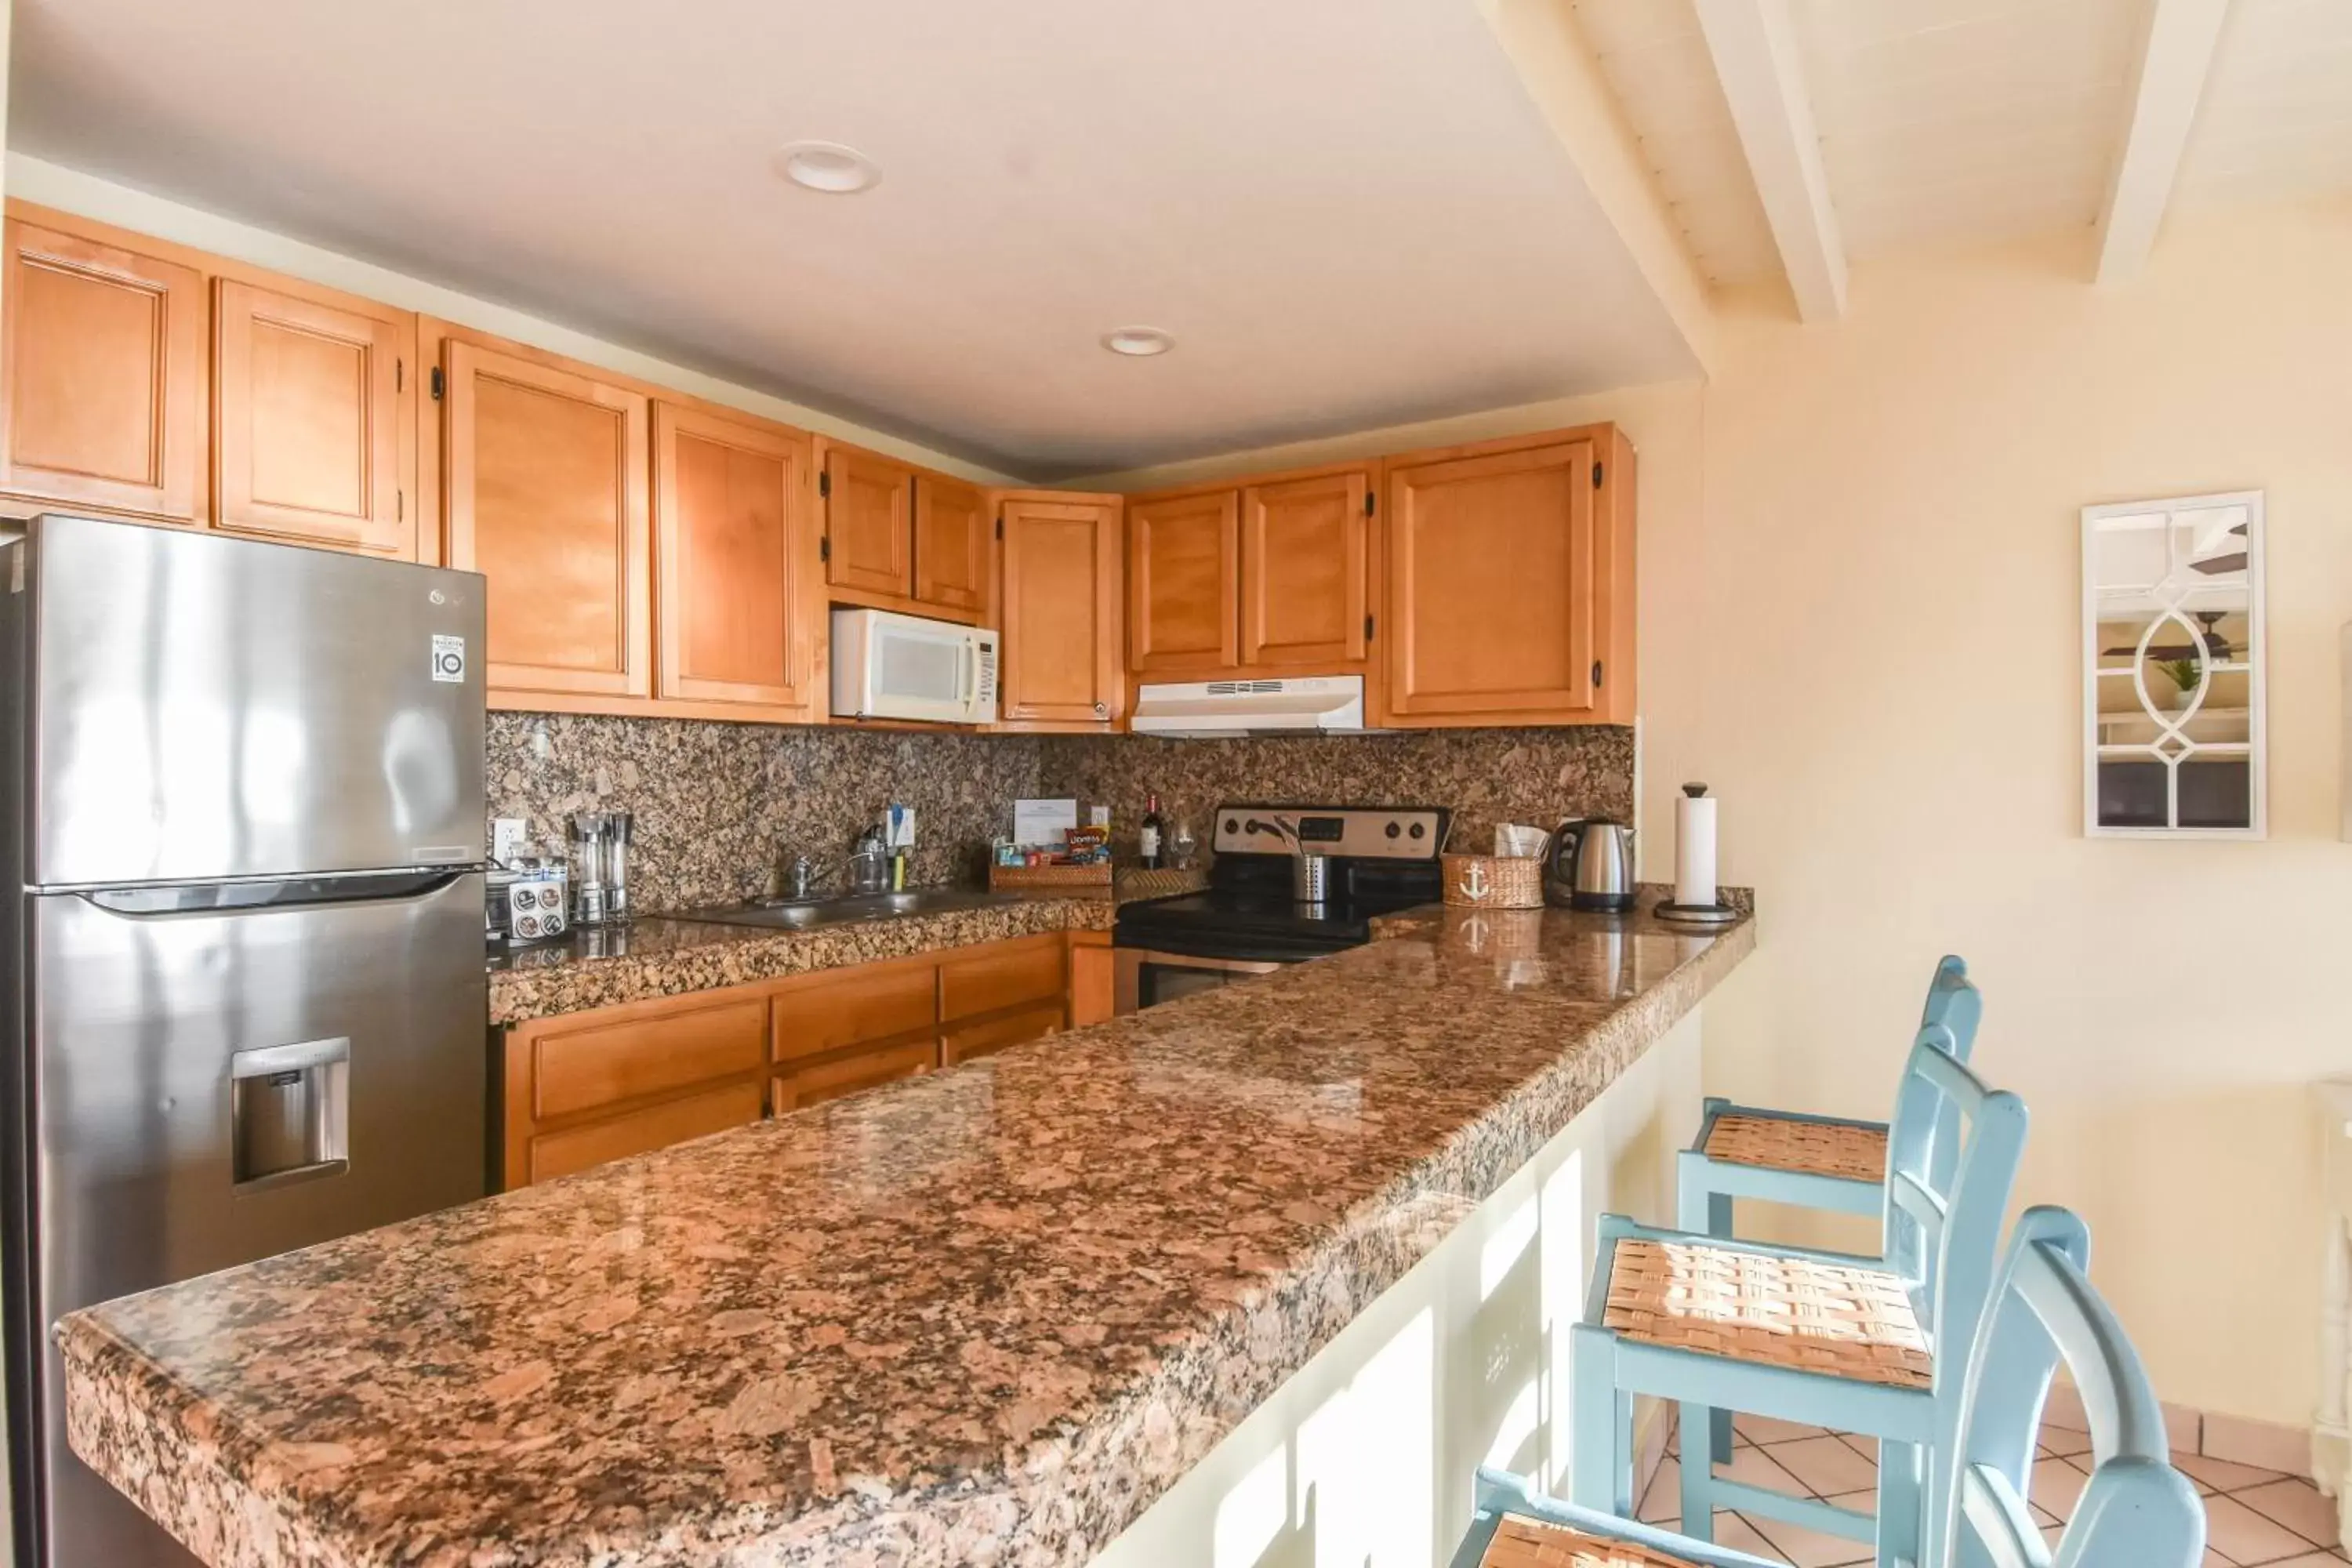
242	944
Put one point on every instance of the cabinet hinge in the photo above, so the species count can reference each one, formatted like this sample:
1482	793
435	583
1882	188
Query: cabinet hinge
399	374
1596	475
1368	629
1000	525
824	548
1596	675
824	484
400	506
438	383
1367	503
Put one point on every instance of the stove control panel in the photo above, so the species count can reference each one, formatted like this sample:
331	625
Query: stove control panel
1361	832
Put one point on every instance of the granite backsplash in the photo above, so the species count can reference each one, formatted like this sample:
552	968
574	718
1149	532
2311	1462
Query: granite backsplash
1536	775
720	808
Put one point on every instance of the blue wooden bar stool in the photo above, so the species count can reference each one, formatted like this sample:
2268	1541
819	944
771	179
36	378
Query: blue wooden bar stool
1809	1162
1826	1339
2136	1511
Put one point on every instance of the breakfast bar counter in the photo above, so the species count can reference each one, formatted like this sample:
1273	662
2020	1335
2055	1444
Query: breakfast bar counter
988	1316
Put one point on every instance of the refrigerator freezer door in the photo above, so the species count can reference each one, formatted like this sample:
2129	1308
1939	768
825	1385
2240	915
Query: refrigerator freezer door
209	707
215	1086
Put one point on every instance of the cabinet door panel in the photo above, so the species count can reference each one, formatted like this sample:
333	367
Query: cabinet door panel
672	1048
1004	974
737	608
102	392
312	421
1183	563
951	540
1060	612
554	1154
848	1074
547	498
986	1040
1492	584
857	1007
1304	588
869	521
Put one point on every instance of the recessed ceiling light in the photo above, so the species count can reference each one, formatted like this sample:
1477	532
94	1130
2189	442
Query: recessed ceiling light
1141	343
827	166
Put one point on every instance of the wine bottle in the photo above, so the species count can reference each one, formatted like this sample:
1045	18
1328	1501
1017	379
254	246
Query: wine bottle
1150	836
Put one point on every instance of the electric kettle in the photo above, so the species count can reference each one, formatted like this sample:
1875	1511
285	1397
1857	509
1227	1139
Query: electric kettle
1589	865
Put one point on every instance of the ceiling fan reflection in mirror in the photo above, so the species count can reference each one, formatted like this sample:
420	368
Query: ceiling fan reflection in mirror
2217	646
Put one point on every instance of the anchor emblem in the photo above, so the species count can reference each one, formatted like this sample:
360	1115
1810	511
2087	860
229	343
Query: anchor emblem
1474	882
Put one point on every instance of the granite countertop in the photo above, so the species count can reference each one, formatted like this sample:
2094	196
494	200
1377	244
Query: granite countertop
985	1316
663	956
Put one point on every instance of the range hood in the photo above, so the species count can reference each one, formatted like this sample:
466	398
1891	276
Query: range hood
1208	710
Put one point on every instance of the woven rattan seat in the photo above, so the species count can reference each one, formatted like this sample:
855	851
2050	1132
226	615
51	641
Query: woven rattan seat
1853	1323
1521	1542
1788	1143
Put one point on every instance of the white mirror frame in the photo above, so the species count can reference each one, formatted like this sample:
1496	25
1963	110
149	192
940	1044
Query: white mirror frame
2257	640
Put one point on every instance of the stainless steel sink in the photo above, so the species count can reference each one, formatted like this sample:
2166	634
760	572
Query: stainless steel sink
800	915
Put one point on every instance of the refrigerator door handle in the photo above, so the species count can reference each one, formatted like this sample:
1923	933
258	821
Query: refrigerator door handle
275	892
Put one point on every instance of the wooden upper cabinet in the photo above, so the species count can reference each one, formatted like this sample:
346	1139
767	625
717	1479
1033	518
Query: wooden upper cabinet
102	389
1057	609
736	562
547	497
1510	582
868	523
1304	595
314	427
1183	566
951	545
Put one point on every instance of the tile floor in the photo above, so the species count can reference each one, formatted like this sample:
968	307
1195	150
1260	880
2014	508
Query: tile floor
2252	1516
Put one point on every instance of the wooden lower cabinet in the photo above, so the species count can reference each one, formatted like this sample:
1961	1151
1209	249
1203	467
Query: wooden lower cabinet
850	1072
993	1035
581	1088
584	1087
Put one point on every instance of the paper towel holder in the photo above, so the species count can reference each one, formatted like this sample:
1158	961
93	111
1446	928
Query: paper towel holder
1695	915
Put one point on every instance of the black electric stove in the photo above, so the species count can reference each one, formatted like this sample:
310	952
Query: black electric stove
1382	859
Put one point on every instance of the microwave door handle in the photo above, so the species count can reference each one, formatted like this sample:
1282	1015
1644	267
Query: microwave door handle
968	673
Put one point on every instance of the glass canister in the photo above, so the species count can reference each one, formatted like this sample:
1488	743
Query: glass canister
619	827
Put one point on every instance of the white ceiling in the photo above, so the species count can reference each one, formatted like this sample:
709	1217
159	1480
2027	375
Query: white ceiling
1349	213
2275	120
1945	120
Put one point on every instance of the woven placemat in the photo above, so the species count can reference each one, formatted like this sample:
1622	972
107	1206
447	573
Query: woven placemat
1521	1542
1815	1148
1826	1317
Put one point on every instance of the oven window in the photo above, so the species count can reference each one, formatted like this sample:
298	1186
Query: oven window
1158	983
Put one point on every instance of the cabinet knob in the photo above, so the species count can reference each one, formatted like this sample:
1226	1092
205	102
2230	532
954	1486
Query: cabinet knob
1102	710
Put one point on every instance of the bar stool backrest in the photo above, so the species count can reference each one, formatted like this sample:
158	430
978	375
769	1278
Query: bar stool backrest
1955	1007
2136	1511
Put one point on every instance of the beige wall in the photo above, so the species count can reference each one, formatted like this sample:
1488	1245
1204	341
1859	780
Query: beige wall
1860	623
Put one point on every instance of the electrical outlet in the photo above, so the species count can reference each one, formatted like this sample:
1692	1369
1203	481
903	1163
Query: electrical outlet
508	834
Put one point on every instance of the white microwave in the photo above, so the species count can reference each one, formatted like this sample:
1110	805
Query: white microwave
888	666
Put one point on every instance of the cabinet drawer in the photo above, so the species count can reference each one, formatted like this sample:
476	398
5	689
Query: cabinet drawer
850	1073
988	1038
858	1007
554	1154
1029	969
581	1069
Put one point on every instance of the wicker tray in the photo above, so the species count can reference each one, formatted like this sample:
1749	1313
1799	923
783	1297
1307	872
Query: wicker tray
1068	879
1491	882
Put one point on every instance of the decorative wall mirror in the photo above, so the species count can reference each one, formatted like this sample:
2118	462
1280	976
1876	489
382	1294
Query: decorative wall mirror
2172	684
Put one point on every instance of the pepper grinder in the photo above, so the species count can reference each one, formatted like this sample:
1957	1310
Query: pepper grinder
618	828
590	892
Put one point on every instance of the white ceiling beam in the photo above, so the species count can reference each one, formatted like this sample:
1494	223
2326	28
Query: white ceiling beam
1562	76
1755	50
2181	35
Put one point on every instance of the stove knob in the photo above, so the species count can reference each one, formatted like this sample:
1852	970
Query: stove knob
1420	830
1393	830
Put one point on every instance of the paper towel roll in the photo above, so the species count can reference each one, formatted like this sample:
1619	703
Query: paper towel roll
1694	847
